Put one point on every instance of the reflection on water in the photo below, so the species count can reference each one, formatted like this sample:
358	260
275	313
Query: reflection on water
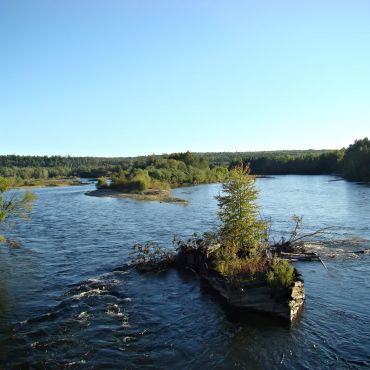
69	299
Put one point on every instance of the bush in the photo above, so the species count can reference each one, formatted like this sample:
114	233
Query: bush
281	275
240	269
139	183
102	183
13	207
119	183
229	268
160	185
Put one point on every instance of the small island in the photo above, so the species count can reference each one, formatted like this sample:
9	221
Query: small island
237	261
159	195
153	178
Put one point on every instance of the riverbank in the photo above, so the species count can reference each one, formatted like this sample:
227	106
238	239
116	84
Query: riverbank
45	183
159	195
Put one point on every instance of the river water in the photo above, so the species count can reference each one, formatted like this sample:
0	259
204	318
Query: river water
67	298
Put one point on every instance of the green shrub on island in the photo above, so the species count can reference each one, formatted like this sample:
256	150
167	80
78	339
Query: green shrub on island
281	274
238	248
243	269
162	174
102	183
136	181
139	182
242	234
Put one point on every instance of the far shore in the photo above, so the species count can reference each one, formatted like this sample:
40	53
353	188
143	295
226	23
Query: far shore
40	183
148	195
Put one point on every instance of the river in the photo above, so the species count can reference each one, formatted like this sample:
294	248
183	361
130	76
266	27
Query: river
67	298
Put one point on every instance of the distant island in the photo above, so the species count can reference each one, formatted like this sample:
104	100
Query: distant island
153	177
160	195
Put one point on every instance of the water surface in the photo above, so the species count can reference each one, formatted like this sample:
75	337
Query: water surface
68	298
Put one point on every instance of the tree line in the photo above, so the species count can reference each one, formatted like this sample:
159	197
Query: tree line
301	164
356	161
353	163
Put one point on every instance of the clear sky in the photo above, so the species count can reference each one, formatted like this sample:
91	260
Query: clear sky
122	78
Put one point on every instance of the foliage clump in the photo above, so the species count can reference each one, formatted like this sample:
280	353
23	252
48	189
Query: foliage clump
243	269
356	162
13	207
159	173
243	235
102	183
281	274
242	232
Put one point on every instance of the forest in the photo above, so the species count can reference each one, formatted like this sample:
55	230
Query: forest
353	163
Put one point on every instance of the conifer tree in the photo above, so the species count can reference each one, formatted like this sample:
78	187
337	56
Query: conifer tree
242	232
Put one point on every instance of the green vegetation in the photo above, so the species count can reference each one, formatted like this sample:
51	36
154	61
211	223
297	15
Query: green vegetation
163	173
190	168
242	269
306	163
13	207
40	183
44	167
281	274
356	161
242	233
225	158
102	183
243	236
158	195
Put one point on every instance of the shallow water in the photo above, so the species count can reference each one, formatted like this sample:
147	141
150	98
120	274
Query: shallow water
68	298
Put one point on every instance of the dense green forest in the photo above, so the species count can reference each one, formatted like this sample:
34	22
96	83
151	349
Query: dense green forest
352	163
161	173
300	164
42	167
356	161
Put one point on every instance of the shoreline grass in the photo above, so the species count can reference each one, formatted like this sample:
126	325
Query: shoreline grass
44	183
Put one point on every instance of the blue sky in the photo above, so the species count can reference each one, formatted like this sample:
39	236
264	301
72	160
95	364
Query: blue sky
122	78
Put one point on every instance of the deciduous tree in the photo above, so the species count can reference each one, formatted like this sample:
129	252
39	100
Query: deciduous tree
13	206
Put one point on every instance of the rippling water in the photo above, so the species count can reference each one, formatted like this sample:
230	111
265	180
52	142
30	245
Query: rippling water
67	297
